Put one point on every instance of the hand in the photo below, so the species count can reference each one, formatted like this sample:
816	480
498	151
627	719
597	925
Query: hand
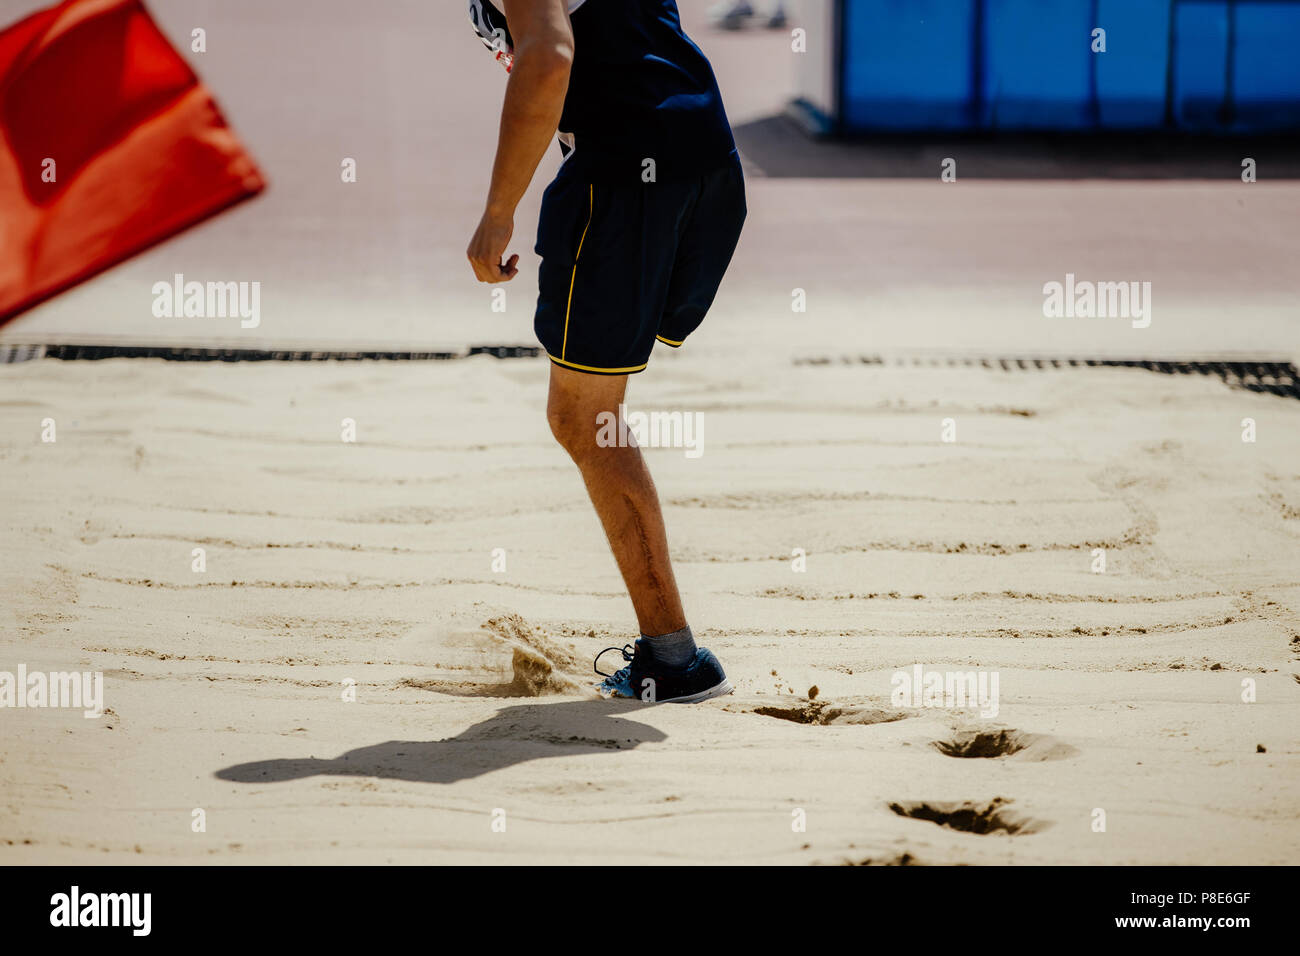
489	245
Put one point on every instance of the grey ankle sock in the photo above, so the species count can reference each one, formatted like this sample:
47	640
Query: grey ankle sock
676	649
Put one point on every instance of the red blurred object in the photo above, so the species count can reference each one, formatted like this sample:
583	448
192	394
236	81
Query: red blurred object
140	150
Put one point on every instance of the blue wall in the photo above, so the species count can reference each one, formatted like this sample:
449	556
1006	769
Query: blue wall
908	63
1266	74
1201	65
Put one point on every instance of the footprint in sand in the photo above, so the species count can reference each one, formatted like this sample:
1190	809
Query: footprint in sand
1005	742
971	817
823	713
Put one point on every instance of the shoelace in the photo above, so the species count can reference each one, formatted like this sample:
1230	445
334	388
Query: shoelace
628	652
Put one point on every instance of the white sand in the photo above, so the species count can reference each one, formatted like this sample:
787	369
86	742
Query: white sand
371	561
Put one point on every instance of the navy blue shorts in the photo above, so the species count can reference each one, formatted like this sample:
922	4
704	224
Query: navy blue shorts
626	265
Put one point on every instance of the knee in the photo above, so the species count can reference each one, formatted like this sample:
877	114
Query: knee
572	428
582	428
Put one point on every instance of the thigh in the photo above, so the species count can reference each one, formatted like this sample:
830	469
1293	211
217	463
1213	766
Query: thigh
573	396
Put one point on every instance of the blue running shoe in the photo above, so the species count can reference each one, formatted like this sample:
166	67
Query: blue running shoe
647	679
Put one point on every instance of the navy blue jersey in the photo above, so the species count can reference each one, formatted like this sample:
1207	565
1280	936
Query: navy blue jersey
641	95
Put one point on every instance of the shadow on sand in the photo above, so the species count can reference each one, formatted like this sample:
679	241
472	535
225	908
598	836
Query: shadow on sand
514	735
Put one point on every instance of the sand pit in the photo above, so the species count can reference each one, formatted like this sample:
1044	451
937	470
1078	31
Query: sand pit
370	566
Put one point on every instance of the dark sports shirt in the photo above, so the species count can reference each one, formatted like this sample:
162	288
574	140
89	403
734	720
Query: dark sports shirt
640	91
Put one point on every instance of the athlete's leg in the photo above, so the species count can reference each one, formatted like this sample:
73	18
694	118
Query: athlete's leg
621	490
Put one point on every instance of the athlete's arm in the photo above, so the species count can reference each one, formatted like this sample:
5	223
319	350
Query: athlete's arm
543	39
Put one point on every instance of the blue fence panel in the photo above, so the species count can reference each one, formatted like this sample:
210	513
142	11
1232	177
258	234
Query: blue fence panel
908	64
1037	64
1200	93
1133	73
1197	65
1266	66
